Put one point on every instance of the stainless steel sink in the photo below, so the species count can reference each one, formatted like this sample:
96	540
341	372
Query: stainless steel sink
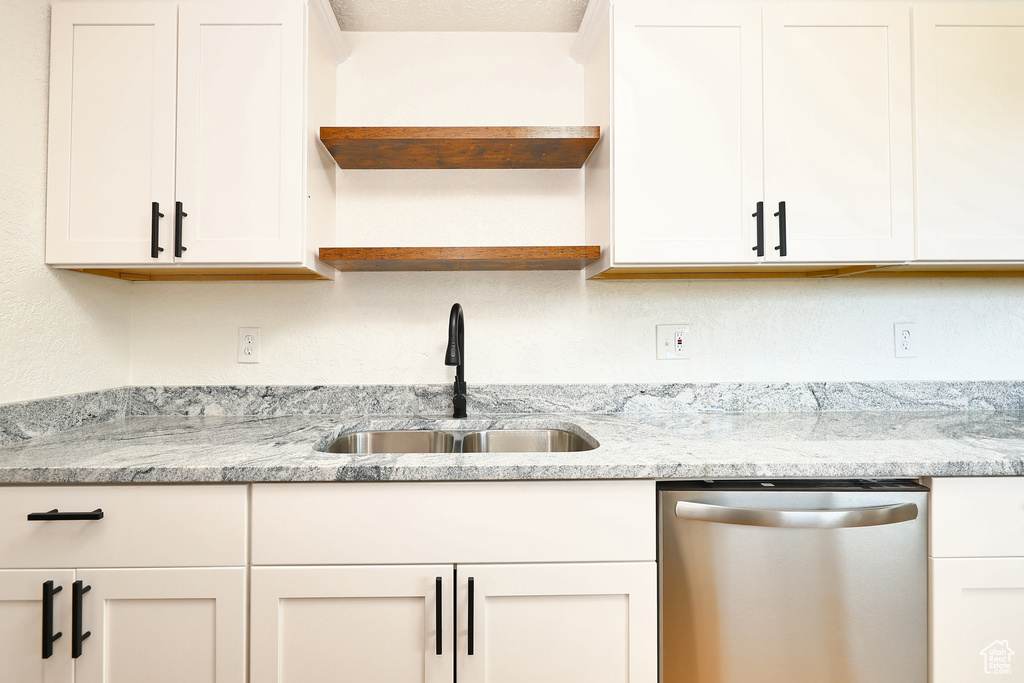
523	441
386	441
460	441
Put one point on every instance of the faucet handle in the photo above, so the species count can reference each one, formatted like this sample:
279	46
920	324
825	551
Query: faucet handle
459	403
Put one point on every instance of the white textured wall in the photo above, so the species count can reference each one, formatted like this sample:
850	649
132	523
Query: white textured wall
60	332
538	327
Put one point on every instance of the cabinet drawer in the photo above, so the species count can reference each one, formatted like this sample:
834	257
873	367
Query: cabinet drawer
142	526
397	523
977	517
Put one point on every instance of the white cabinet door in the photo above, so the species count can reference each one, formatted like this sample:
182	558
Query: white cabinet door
163	626
111	131
969	60
838	141
354	624
687	118
21	627
241	137
594	622
977	633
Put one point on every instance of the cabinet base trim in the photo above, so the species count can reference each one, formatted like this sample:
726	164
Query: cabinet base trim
205	274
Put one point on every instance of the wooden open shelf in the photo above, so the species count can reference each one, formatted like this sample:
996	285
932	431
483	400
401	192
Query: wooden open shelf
492	147
458	258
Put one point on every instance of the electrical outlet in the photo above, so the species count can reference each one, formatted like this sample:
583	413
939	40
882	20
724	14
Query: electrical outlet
248	345
905	340
673	341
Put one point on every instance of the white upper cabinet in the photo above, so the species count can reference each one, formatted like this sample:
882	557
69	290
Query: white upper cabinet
838	142
969	60
111	148
240	132
687	110
713	108
180	138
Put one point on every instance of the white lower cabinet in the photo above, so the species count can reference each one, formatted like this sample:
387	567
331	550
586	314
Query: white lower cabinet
593	622
157	626
152	625
976	579
550	623
22	615
162	625
977	629
125	613
326	624
477	582
495	582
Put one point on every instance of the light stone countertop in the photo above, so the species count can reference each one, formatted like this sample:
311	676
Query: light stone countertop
189	449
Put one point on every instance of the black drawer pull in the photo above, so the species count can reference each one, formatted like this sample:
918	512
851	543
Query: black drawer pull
179	213
781	213
759	215
154	243
48	635
77	591
56	515
469	643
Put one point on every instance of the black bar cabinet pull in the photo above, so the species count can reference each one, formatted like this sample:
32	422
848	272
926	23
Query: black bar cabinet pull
469	643
77	591
781	213
438	640
179	213
154	244
56	515
48	635
759	215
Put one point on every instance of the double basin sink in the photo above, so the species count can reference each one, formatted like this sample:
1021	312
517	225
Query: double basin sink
461	441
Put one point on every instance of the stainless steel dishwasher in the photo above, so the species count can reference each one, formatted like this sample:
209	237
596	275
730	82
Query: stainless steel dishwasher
789	581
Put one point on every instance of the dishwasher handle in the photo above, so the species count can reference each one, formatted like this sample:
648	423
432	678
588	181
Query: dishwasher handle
834	518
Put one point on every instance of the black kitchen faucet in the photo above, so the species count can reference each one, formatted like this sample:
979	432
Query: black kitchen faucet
456	356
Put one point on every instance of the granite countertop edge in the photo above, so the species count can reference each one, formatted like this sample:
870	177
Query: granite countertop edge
251	449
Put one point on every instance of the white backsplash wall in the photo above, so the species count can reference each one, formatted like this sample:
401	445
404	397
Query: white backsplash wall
548	327
538	327
60	332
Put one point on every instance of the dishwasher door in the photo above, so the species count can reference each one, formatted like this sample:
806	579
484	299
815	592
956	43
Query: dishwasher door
793	582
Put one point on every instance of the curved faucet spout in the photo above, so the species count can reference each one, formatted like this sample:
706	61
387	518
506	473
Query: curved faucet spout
456	355
456	338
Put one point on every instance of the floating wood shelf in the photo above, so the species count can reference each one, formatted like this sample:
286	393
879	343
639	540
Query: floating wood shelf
494	147
458	258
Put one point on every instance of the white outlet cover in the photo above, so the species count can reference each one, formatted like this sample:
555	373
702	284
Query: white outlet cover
673	341
905	340
248	345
